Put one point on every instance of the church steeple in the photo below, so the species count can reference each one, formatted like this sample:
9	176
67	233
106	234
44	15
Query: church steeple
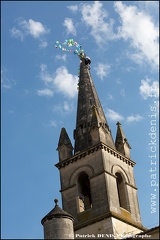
88	101
97	181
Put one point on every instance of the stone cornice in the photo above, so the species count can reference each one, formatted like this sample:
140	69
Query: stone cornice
109	215
95	148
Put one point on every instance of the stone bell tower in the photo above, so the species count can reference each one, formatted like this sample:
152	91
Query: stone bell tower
97	178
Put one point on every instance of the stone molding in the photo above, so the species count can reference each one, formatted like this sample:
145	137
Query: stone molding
97	147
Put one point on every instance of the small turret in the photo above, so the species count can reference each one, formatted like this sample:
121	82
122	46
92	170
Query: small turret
121	142
65	147
58	224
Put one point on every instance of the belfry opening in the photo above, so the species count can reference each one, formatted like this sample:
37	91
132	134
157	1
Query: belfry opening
85	201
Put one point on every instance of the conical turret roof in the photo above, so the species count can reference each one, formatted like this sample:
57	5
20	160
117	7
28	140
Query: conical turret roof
56	212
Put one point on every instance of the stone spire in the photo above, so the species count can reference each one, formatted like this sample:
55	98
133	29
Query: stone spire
121	142
65	147
89	111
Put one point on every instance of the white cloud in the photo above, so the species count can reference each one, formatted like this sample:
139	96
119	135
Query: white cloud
68	23
35	29
129	69
137	57
61	81
43	44
65	82
45	92
110	96
137	26
113	116
149	89
102	70
45	76
16	33
118	82
122	92
61	57
66	107
73	8
135	118
6	82
139	29
152	7
93	15
52	123
26	28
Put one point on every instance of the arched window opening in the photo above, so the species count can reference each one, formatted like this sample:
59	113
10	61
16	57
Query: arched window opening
85	201
122	192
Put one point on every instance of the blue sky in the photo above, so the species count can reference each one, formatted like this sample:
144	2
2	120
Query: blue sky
39	97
